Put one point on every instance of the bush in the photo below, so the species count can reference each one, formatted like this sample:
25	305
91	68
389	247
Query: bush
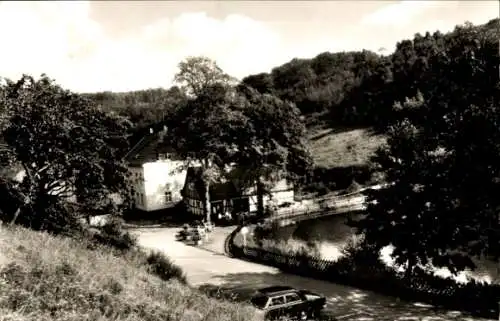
354	187
317	187
267	231
160	265
112	234
49	215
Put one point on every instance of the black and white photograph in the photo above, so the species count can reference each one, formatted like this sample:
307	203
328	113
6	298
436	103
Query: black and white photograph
250	160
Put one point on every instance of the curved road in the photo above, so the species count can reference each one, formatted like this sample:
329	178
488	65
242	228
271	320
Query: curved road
209	269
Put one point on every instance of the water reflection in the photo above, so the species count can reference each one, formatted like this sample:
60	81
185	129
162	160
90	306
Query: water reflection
331	235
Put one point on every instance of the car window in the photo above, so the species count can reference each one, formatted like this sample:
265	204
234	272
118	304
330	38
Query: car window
279	300
260	301
293	297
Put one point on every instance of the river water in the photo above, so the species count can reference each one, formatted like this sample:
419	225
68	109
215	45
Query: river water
331	234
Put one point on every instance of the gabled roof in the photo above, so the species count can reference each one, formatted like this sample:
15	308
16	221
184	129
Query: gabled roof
148	149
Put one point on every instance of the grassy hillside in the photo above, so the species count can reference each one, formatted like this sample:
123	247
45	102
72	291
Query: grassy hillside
50	278
344	148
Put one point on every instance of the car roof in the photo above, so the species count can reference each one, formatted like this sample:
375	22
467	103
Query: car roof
276	289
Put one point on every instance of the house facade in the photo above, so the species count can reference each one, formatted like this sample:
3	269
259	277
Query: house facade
158	174
227	198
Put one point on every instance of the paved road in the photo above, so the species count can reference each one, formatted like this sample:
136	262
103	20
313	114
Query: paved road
208	268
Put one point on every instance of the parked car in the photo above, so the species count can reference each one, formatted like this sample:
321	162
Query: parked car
287	303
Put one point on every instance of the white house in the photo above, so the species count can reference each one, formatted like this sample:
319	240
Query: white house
158	174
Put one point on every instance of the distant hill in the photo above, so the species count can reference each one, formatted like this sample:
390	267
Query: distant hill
359	88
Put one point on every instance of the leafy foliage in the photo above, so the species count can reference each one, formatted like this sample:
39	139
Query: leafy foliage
144	108
443	158
359	88
68	148
223	125
161	265
197	73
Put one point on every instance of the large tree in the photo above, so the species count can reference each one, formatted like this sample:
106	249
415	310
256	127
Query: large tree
197	126
68	148
223	124
197	73
443	160
273	145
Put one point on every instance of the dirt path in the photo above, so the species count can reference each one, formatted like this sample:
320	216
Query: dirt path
209	268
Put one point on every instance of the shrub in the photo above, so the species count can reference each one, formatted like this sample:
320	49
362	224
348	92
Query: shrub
354	187
160	265
317	187
50	215
112	234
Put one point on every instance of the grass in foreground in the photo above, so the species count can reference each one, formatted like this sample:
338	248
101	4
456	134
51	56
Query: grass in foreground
43	277
353	147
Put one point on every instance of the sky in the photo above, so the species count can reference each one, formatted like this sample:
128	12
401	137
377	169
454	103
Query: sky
89	46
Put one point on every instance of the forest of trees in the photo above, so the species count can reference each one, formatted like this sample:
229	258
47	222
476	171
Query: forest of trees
343	89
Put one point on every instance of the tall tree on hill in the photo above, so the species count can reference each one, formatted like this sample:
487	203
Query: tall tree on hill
67	147
198	125
443	158
223	124
197	73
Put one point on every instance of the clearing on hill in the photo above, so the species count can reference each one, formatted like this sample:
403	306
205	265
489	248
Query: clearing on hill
344	148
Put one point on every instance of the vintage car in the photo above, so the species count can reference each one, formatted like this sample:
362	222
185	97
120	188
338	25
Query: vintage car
287	303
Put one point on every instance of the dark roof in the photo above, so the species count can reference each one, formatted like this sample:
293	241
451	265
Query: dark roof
275	289
194	175
148	149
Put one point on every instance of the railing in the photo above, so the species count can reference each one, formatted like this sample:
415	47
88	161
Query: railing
323	207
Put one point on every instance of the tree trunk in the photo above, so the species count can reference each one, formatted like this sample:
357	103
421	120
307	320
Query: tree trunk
208	208
19	209
16	214
260	197
409	269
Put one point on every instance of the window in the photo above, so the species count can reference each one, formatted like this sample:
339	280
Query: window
279	300
291	298
140	199
168	196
